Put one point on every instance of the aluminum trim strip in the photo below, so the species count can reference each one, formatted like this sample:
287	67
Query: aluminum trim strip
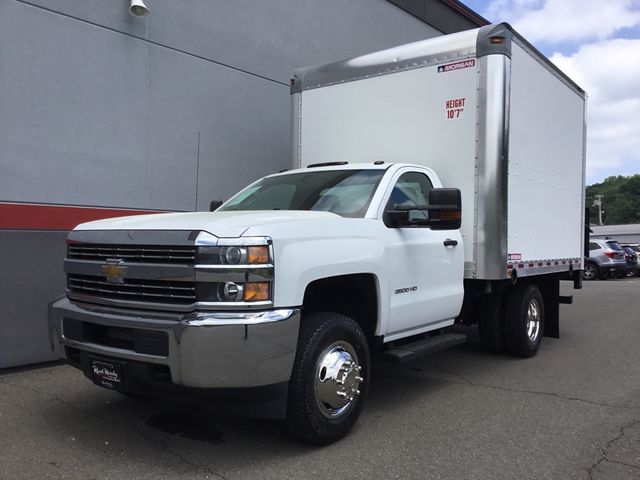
296	118
244	318
420	54
525	268
490	251
244	241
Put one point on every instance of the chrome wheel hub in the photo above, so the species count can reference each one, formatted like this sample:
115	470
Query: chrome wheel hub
533	320
337	379
589	272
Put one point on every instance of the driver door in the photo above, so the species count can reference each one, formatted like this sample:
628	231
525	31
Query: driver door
425	276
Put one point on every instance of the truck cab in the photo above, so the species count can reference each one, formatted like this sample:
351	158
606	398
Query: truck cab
215	300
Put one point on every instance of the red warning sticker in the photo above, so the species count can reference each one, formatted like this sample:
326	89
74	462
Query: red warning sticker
454	108
457	66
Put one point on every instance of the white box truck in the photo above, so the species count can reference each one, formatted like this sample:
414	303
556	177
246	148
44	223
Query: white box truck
435	183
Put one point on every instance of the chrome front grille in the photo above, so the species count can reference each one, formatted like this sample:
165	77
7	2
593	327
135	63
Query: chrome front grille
185	255
133	290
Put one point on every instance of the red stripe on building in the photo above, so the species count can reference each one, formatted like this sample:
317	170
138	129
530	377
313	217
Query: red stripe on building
30	216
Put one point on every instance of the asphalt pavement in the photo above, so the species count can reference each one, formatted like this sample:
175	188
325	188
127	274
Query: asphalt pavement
571	412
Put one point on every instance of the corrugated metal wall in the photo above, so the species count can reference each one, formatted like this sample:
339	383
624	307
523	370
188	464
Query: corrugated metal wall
167	112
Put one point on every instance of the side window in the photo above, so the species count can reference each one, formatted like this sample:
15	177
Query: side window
411	190
593	246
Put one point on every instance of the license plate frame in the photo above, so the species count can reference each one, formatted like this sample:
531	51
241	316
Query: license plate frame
107	374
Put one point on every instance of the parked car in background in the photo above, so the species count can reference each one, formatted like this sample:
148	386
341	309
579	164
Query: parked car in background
606	259
636	249
633	260
629	264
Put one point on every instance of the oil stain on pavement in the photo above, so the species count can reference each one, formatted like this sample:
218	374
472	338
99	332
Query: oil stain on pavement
187	425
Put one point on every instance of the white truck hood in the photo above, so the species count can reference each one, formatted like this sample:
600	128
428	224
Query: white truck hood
220	224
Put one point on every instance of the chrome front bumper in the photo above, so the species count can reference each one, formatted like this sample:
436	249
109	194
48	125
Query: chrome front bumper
205	349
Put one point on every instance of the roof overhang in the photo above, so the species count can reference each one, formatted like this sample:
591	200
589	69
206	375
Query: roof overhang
447	16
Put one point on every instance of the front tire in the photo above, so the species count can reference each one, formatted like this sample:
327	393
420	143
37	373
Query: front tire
330	378
524	320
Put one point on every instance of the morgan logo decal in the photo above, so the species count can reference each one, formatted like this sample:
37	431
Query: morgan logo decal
113	270
450	67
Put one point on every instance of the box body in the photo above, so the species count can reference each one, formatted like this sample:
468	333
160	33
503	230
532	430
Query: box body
493	118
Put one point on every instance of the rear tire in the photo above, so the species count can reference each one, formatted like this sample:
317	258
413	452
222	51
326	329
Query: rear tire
524	320
330	378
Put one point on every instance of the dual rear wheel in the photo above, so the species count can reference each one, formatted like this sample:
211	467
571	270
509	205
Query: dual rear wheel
512	321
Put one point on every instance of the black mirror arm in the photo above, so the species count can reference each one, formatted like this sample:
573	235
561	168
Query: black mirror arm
422	208
397	217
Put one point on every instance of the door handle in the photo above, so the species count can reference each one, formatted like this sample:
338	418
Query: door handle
450	243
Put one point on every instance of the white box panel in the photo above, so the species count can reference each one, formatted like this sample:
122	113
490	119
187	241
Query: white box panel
546	185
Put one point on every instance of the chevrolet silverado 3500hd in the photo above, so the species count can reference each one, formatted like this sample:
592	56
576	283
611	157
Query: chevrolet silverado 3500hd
462	202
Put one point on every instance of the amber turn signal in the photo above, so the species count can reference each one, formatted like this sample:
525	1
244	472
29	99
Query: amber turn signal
256	291
258	255
450	215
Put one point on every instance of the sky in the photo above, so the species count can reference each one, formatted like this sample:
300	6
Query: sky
597	44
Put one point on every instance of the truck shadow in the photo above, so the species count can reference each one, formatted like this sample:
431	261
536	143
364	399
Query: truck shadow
142	428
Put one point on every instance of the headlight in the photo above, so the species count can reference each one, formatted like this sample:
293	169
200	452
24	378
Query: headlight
234	272
234	255
230	292
234	292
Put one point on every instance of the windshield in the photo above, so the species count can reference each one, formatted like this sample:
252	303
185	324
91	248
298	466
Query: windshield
344	192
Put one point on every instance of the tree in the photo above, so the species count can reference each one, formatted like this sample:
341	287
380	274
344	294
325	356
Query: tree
620	202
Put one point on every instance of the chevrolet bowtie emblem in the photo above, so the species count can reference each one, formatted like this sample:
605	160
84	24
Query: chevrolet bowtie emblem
113	270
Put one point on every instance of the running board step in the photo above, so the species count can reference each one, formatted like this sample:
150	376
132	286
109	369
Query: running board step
411	351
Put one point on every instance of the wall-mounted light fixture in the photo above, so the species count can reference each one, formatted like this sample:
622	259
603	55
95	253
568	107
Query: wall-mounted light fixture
138	8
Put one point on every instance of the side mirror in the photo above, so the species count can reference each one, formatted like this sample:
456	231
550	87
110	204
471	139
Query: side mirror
445	209
214	205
